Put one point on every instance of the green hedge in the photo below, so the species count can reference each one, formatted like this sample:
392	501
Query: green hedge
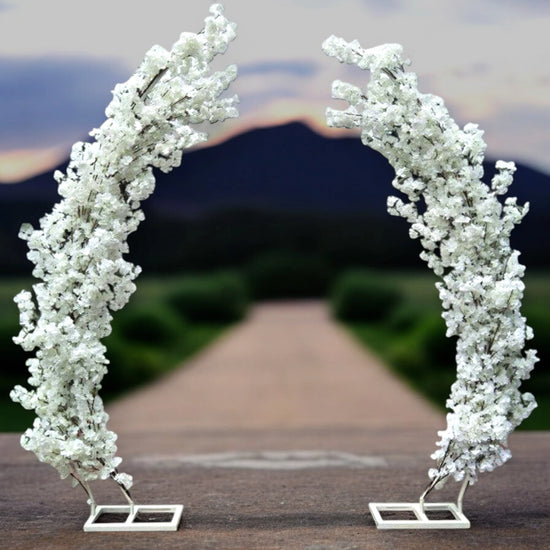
424	356
13	356
155	324
538	318
14	371
288	275
411	339
221	297
150	337
364	296
166	321
141	345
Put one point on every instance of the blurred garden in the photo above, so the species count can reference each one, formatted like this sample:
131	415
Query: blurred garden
395	313
167	320
275	227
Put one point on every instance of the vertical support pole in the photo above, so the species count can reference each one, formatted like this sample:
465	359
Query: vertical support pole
127	496
93	505
423	496
460	499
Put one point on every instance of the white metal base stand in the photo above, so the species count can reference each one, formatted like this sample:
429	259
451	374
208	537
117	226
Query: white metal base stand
131	520
421	511
422	521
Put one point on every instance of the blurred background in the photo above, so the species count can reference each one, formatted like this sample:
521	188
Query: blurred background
276	206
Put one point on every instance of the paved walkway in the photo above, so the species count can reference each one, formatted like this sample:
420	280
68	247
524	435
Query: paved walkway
277	437
287	366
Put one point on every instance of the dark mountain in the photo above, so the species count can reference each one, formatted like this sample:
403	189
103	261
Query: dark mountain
284	188
288	168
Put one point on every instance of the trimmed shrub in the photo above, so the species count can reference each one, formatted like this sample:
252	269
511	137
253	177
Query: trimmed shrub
539	320
403	318
155	324
13	356
142	338
364	296
426	357
282	275
440	350
131	364
215	298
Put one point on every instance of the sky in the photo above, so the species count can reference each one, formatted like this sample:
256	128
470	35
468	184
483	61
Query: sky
60	59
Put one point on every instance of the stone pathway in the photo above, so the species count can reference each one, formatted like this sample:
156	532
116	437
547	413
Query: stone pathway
288	366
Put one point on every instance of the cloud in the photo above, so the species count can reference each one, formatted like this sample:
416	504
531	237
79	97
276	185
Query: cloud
265	82
507	139
257	100
384	6
525	6
303	69
47	101
484	57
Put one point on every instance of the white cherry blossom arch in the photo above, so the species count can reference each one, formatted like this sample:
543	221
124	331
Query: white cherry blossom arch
465	231
78	251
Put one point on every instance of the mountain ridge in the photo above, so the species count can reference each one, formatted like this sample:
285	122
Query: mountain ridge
288	169
274	167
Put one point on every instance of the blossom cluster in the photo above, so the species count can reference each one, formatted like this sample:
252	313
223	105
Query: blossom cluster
78	250
465	231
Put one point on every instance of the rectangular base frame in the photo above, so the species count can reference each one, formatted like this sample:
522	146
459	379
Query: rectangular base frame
422	521
130	523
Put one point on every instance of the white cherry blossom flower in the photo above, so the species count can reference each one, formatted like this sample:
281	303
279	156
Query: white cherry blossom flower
465	232
79	248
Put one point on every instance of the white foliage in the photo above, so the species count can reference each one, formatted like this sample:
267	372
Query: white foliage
465	232
78	251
